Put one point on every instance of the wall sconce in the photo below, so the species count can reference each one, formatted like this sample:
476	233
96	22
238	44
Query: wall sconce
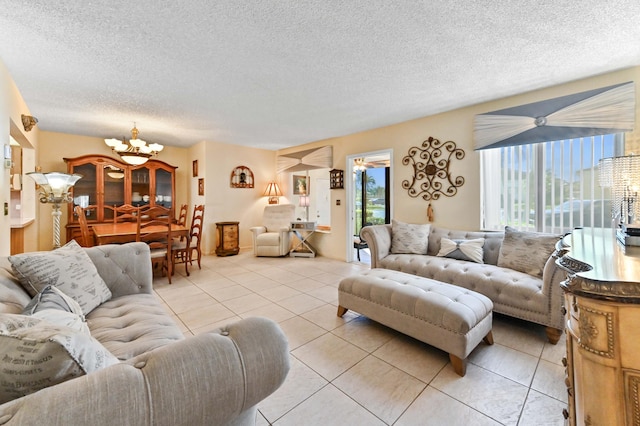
55	188
273	192
304	202
28	122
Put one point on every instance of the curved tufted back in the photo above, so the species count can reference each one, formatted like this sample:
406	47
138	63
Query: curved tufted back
491	248
278	216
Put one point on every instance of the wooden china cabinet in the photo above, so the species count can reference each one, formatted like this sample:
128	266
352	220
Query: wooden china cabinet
107	182
602	311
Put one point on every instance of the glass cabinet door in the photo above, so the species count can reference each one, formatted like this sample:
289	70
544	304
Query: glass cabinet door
85	191
163	188
114	194
140	186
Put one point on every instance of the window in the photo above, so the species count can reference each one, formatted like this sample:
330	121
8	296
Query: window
549	186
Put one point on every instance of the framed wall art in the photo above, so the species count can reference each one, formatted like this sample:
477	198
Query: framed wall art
201	186
195	168
300	185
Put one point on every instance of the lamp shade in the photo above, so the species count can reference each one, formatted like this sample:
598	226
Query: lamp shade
304	201
273	192
622	175
55	185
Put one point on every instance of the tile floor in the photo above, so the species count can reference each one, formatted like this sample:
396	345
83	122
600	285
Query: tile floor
353	371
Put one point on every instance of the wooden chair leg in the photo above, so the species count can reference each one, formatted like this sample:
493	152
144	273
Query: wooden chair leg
488	339
459	365
341	311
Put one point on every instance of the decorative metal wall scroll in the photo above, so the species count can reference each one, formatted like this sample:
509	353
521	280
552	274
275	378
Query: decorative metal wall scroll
431	175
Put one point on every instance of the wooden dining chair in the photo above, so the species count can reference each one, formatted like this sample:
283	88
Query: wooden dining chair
85	232
125	213
156	232
183	250
182	217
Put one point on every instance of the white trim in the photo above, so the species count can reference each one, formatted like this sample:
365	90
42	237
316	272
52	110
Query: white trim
349	194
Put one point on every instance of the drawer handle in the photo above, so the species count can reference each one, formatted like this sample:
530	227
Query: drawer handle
564	361
565	413
564	311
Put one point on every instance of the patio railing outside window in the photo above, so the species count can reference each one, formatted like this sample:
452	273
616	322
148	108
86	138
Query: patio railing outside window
547	187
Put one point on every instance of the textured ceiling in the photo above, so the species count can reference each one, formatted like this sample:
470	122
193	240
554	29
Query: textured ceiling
274	74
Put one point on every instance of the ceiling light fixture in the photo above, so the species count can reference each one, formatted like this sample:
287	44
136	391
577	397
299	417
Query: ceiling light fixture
136	152
358	165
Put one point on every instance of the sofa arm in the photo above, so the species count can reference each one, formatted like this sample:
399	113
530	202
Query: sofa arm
256	230
552	276
125	268
378	238
209	379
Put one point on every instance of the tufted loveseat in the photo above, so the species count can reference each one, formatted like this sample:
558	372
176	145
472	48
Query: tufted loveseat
162	378
513	293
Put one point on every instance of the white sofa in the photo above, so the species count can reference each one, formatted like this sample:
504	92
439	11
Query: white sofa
162	378
513	293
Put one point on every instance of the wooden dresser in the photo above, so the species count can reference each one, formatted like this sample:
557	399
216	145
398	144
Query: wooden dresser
602	304
227	241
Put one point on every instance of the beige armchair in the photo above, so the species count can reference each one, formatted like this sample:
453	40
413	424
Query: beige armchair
273	238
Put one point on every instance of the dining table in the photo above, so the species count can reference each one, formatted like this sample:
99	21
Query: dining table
125	232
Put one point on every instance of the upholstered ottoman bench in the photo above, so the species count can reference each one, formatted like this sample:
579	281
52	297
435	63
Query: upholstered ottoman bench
446	316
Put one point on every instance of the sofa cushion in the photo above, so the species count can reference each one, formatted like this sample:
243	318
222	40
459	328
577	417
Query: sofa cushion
409	238
35	354
69	268
132	325
460	249
526	252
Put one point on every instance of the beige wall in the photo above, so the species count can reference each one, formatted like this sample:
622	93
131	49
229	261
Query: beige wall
461	211
223	203
12	106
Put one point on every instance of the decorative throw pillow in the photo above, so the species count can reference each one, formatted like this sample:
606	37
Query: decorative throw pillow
409	238
470	250
35	354
51	297
69	268
526	252
54	306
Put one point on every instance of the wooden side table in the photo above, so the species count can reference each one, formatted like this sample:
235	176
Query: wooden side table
227	241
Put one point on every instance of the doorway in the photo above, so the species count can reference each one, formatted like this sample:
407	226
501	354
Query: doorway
369	184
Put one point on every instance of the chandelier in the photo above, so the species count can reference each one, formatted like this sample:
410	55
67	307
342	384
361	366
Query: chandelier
136	151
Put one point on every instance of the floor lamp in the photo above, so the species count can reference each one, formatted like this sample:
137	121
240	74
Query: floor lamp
55	189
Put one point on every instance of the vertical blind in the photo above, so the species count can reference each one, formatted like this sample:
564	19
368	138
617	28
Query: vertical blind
547	187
